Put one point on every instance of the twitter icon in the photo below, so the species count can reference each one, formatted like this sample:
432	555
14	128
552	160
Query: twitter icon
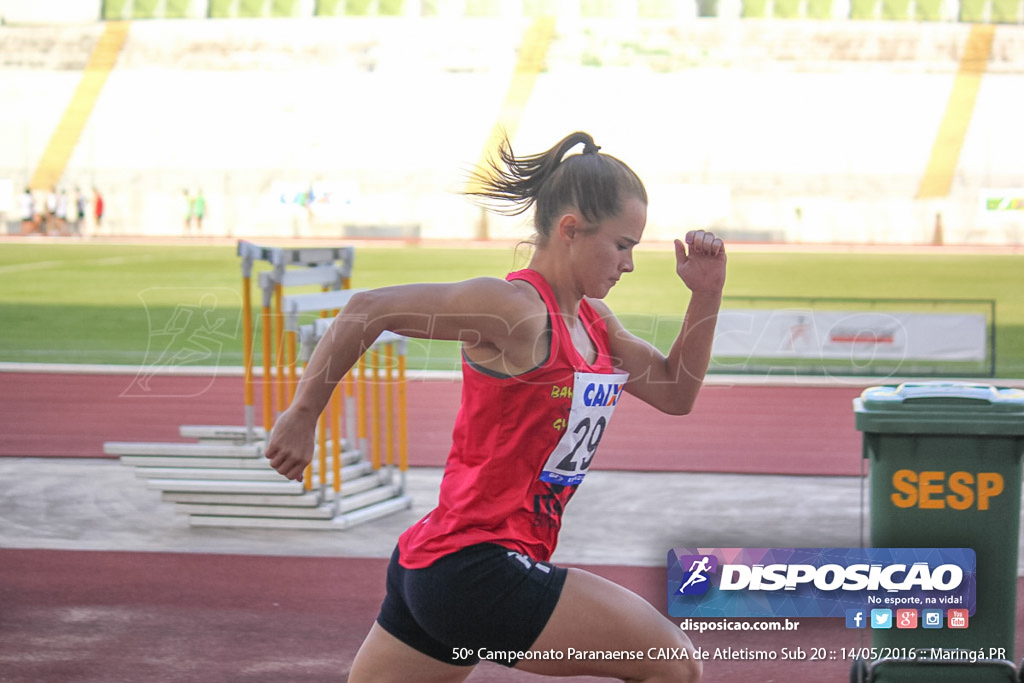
881	618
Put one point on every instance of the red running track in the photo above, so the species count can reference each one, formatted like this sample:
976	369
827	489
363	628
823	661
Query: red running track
120	617
755	429
88	617
113	617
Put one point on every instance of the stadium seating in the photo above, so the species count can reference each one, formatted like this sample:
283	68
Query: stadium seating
815	130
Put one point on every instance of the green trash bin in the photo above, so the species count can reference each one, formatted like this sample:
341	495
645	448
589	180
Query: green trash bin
945	472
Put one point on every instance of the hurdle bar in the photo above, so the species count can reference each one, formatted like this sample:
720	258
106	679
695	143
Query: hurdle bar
327	304
330	267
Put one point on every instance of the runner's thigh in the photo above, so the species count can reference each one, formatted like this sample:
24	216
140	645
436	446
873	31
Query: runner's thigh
595	615
385	659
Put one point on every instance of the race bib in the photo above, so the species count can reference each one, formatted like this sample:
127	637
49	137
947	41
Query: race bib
594	396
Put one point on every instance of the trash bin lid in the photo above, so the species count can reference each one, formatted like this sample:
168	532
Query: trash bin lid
941	408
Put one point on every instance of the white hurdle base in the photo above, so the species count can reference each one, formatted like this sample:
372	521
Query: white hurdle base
221	480
283	508
183	450
344	520
221	433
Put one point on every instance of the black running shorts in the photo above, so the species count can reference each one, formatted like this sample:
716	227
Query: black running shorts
482	602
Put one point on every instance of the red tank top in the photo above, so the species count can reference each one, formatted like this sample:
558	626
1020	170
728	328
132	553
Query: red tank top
520	447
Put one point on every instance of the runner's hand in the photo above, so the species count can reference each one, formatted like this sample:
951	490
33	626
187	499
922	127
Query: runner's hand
290	448
700	262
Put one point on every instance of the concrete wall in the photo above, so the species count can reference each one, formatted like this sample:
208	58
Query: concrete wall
799	131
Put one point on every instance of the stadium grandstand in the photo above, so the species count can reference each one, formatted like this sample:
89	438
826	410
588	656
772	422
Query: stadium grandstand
803	121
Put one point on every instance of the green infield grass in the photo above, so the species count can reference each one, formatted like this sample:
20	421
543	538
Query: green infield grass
129	304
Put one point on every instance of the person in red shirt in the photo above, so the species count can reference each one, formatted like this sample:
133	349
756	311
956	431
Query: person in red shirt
545	364
97	208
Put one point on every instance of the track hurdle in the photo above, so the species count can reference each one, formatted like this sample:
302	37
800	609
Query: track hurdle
329	267
372	425
224	483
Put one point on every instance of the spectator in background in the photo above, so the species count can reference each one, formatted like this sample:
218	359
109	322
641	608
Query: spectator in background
199	209
51	211
79	211
39	198
62	212
27	204
97	207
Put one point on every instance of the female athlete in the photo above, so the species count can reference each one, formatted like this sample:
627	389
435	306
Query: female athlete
544	363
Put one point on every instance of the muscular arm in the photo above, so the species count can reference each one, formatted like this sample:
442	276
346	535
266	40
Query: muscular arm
490	315
671	382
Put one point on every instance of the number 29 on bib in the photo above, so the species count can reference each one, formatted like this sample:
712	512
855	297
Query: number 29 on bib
594	397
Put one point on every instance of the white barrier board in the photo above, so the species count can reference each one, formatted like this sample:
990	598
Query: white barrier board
850	335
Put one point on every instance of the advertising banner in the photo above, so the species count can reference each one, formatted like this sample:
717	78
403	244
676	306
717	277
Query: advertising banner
750	333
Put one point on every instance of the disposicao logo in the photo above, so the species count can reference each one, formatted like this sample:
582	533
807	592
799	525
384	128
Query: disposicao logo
822	582
697	580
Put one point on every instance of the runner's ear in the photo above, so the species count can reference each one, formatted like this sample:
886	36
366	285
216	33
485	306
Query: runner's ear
568	227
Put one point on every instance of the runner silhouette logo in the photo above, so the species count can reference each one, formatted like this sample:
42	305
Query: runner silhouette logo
697	580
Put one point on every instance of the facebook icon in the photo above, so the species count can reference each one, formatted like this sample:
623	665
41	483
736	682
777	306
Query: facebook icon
855	618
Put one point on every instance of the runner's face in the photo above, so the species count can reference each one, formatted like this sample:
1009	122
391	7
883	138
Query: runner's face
606	253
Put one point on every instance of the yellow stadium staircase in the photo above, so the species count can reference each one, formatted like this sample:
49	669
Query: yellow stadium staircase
64	139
